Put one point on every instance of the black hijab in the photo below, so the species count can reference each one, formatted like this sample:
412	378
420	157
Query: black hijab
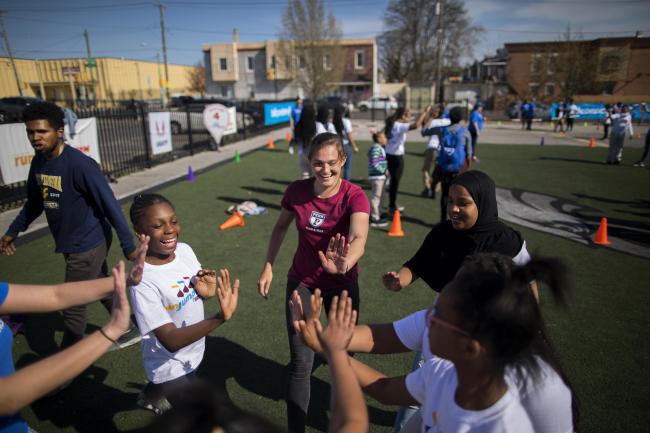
444	249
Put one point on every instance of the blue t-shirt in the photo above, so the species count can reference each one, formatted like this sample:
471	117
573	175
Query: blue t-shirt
475	117
13	423
445	114
296	112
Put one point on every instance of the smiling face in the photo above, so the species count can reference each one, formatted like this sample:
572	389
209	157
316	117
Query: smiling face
161	224
326	164
45	139
461	208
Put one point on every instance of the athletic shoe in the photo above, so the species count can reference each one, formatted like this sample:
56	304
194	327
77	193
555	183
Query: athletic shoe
129	338
475	159
391	211
426	192
158	407
640	164
378	223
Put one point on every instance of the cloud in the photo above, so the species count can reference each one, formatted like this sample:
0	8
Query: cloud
361	26
621	14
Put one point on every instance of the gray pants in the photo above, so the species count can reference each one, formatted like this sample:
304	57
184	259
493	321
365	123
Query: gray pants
615	152
87	265
377	194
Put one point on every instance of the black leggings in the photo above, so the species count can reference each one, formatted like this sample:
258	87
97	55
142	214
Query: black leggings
396	169
302	357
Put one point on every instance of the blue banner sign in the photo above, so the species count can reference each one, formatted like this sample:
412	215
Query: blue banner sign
277	112
597	111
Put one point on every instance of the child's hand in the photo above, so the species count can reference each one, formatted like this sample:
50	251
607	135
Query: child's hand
340	326
391	281
228	296
205	283
334	260
305	326
135	275
121	312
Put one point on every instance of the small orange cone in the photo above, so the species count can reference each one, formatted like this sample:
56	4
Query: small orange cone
288	137
271	145
396	226
236	220
601	234
592	143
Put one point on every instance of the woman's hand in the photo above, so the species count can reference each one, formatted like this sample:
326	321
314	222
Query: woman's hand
228	296
121	312
334	260
205	283
135	275
264	283
391	281
341	322
305	326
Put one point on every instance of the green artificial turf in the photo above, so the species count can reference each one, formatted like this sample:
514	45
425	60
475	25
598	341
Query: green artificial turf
600	338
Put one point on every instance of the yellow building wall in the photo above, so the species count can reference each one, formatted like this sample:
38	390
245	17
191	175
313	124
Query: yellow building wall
111	79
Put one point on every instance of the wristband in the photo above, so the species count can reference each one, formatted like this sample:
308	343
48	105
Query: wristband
106	335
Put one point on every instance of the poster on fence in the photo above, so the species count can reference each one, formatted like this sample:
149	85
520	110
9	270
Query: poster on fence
220	120
160	135
16	152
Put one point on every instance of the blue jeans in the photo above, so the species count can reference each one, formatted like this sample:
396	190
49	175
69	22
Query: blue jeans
347	168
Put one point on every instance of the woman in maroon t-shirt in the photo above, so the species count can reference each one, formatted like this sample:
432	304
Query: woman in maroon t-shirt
332	218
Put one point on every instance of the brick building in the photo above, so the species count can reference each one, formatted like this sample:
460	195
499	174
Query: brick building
621	68
259	70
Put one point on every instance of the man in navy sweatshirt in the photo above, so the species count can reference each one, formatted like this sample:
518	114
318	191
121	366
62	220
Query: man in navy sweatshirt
80	208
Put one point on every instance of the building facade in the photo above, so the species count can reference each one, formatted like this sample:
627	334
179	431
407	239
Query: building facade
259	70
110	79
618	67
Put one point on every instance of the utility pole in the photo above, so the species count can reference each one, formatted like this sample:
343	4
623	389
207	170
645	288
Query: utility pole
8	48
160	81
439	38
164	47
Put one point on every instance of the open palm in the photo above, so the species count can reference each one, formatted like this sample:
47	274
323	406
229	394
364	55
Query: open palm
335	258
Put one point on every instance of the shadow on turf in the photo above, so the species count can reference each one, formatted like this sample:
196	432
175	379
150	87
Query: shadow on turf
278	181
582	161
263	190
225	359
640	204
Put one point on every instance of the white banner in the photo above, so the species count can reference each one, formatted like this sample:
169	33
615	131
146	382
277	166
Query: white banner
220	120
160	135
16	152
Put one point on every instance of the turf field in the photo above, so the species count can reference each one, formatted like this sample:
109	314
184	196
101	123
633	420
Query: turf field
601	338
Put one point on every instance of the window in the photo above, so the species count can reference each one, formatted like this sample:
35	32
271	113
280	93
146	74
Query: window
551	66
610	64
224	91
287	63
549	89
535	63
273	61
533	88
301	61
359	59
250	63
326	62
223	64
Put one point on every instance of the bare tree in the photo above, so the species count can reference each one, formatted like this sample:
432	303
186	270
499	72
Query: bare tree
577	65
312	40
408	45
196	79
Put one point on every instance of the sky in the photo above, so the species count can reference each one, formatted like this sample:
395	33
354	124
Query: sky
131	28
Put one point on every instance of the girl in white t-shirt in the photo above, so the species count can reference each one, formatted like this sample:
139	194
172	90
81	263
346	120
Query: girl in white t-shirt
396	127
168	302
343	127
324	121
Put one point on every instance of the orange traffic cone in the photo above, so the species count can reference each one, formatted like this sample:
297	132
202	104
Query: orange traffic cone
271	145
592	143
396	226
601	234
288	137
236	220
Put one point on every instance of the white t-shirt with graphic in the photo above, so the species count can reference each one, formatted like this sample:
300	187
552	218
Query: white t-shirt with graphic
434	386
166	295
548	395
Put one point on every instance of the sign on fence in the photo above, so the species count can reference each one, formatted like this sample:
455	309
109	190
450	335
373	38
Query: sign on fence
160	135
16	152
277	112
220	120
597	111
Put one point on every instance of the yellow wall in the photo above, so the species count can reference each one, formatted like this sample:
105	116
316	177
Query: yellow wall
121	79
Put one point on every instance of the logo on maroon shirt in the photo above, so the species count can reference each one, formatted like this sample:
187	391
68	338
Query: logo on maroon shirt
316	218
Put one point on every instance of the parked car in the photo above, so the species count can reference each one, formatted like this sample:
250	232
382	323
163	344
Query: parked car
331	102
11	108
542	111
180	100
378	103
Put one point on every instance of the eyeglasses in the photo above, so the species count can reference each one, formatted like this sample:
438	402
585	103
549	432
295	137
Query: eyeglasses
431	319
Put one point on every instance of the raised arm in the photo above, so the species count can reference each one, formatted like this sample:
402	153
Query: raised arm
418	123
396	281
277	237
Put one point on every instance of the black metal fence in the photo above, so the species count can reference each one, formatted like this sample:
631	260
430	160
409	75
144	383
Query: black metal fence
123	138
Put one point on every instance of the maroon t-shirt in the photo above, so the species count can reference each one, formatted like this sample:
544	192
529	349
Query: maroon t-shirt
317	220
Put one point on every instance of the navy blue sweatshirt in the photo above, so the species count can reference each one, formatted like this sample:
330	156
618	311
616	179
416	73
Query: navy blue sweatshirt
78	203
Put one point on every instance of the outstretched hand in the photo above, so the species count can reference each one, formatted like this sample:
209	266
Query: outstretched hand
121	311
135	275
334	260
341	322
205	283
391	281
228	295
305	326
7	245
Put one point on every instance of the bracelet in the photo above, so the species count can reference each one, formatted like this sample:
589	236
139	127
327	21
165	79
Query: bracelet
106	335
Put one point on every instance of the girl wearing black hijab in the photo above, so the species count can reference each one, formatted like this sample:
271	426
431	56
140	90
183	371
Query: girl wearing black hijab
473	227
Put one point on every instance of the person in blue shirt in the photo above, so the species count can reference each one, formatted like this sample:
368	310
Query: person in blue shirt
529	113
475	127
523	111
80	208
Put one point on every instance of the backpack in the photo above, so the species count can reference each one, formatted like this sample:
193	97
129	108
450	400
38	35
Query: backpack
451	155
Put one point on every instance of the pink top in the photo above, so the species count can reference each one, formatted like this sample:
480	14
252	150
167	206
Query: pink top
317	220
